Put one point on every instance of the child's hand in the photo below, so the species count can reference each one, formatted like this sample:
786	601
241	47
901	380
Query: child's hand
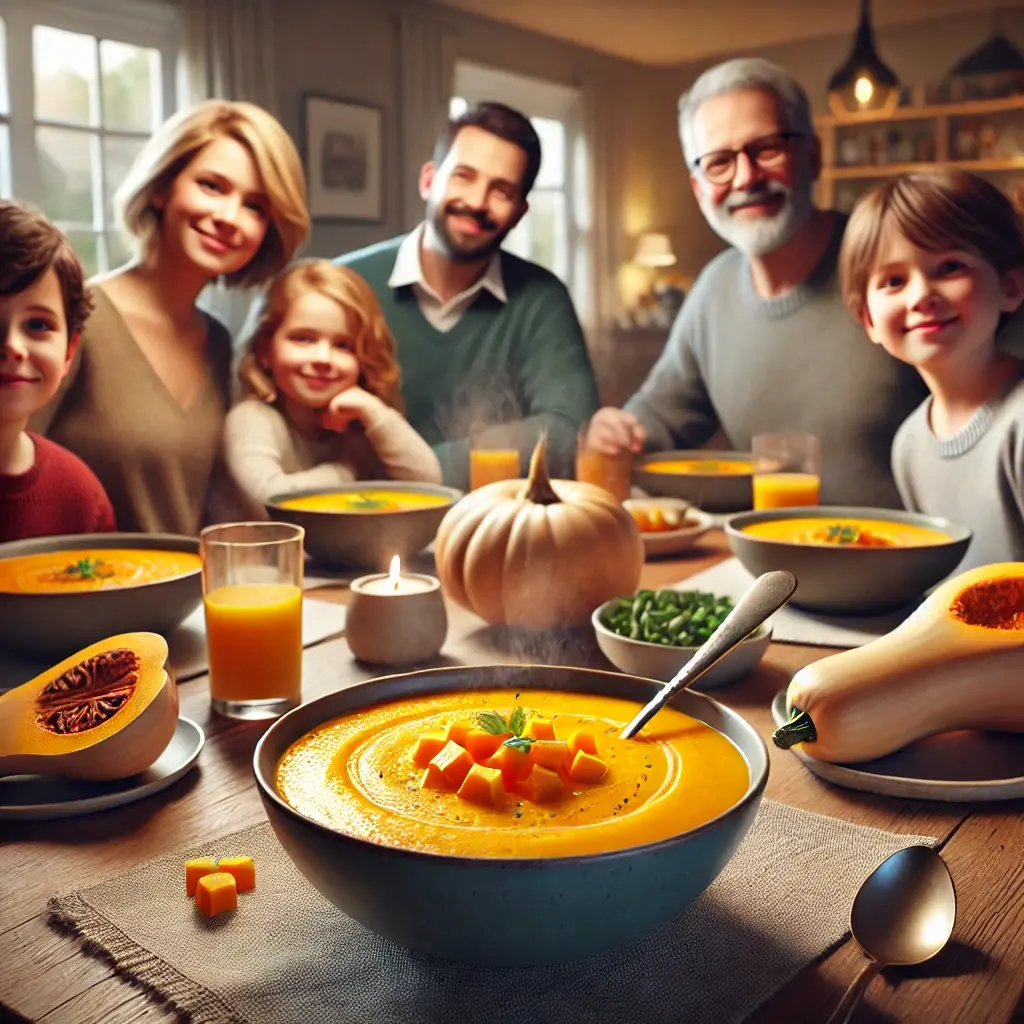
353	405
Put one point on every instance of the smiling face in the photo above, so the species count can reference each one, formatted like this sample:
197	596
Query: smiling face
766	201
475	197
215	214
311	355
36	353
936	310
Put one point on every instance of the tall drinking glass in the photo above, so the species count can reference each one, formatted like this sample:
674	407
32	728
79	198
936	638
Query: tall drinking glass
491	460
612	472
787	470
252	593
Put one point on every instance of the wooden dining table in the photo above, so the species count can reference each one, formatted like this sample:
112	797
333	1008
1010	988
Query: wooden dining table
978	979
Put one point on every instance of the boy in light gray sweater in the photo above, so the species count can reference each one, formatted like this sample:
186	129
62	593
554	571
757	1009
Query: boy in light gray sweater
930	265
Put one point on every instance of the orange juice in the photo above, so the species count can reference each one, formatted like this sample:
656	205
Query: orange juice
613	473
488	465
785	490
254	633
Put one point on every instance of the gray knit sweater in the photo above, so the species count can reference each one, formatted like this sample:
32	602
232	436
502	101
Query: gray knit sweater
975	478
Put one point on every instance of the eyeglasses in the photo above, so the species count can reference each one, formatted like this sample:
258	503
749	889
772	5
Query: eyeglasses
767	152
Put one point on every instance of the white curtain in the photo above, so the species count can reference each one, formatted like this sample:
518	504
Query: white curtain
427	63
598	228
229	54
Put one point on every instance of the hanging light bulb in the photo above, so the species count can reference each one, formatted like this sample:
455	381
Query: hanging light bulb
864	82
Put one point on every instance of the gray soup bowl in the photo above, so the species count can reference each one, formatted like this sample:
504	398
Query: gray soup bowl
712	492
847	579
588	903
52	626
365	540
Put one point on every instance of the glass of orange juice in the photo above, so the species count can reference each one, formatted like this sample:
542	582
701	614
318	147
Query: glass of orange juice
492	459
252	593
612	472
787	470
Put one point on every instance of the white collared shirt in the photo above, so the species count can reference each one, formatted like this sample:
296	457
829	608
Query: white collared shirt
442	316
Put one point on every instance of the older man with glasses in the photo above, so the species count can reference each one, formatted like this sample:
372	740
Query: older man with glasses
763	343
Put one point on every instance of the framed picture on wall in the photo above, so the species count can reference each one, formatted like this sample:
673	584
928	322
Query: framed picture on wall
342	148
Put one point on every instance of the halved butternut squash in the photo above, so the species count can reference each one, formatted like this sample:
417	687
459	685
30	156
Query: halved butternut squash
107	712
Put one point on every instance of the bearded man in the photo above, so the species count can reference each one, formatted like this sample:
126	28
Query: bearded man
763	343
487	342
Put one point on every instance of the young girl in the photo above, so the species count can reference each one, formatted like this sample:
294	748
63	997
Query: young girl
930	265
322	403
217	193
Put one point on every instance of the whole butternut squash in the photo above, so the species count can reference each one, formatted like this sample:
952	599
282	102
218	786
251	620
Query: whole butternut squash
536	552
956	663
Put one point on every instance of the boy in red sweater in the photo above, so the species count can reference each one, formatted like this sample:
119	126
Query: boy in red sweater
44	489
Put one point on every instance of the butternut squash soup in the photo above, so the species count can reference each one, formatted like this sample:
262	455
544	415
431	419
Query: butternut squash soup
85	569
701	467
366	501
497	773
860	533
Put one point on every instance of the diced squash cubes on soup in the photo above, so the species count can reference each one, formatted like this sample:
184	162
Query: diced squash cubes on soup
195	869
542	784
587	768
553	754
540	728
580	739
241	869
427	747
456	732
483	786
482	745
432	778
453	762
512	762
216	893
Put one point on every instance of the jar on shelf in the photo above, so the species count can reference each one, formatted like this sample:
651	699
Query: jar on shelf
987	140
965	142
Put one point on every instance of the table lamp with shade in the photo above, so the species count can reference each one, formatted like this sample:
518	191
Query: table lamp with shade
864	83
654	250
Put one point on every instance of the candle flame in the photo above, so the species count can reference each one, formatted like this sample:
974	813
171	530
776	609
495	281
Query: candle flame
395	572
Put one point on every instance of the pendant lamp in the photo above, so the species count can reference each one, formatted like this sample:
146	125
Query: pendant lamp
864	83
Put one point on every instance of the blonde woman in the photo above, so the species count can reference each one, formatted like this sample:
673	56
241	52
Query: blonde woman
217	192
322	391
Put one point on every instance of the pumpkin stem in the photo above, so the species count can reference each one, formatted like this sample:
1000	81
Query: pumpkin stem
799	729
539	489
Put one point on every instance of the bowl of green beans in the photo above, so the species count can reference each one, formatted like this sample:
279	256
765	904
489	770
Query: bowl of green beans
653	633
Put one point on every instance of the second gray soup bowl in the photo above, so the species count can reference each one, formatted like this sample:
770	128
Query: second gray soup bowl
53	625
366	540
470	909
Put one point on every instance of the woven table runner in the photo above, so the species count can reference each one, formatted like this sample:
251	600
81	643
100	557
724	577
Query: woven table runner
287	956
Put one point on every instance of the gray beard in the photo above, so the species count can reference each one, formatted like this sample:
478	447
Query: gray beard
770	233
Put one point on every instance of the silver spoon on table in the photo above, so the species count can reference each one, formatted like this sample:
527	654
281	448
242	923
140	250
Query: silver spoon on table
766	595
903	914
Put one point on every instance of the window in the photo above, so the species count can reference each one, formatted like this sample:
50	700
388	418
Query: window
81	89
547	234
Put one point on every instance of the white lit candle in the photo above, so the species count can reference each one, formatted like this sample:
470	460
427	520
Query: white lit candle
397	582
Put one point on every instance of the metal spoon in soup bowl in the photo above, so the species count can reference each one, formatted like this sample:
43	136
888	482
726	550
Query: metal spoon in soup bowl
903	914
766	595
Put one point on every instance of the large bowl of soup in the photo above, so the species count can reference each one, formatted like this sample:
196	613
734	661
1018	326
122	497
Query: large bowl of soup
712	480
536	875
60	594
848	559
364	525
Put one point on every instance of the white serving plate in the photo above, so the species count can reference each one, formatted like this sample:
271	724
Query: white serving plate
672	542
956	766
43	797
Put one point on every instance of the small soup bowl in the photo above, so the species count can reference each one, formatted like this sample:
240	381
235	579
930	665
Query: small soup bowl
846	578
708	489
54	625
470	909
366	540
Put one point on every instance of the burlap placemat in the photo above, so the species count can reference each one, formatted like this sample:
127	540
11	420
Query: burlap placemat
287	956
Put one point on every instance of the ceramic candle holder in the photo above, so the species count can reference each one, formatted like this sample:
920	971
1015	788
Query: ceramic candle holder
389	625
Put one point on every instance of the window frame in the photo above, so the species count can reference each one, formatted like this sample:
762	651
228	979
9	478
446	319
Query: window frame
151	24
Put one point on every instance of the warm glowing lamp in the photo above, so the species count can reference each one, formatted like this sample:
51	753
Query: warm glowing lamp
654	250
864	83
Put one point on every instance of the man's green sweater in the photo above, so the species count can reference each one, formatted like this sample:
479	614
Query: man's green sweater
518	367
